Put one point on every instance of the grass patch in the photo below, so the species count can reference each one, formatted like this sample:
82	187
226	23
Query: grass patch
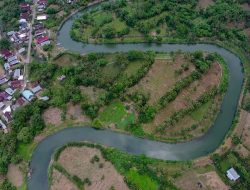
198	114
142	182
116	113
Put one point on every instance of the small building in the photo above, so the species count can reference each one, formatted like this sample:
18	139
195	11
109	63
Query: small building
17	74
43	41
3	126
36	89
232	174
21	50
2	105
14	57
5	96
6	66
41	17
10	91
61	78
7	116
16	84
5	54
21	101
3	80
28	95
44	98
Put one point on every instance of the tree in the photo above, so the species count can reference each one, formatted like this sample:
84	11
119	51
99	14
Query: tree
25	135
5	44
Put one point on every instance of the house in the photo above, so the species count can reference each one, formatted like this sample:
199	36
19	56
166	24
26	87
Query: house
14	62
42	2
2	105
7	116
3	80
38	26
12	58
41	17
43	41
40	32
21	50
25	16
17	74
61	78
3	126
10	91
36	89
6	66
5	54
44	98
16	84
28	95
232	174
25	7
5	96
21	101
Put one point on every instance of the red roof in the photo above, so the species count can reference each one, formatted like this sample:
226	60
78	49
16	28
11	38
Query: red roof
42	39
6	53
8	116
24	5
4	95
20	101
24	15
16	84
44	2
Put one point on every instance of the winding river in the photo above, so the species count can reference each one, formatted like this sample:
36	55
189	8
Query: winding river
180	151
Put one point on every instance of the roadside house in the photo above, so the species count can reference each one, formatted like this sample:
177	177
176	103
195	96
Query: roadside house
28	95
232	174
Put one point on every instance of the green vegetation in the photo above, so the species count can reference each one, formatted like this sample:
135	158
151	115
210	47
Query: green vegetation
117	114
241	165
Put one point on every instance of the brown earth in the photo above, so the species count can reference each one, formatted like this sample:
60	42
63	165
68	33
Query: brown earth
206	181
242	151
213	181
245	6
161	77
186	96
52	116
14	175
60	182
74	112
2	71
201	162
243	128
203	4
102	174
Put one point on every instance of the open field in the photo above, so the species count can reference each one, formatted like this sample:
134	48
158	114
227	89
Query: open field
101	173
52	116
15	176
162	76
60	182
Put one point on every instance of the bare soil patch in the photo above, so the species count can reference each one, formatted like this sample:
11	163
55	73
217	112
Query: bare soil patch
184	99
74	112
102	174
52	116
203	4
201	162
59	182
2	72
161	77
206	181
245	6
14	175
242	129
243	152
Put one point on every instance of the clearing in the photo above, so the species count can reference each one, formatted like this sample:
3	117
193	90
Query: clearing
86	162
161	76
74	112
186	96
52	116
59	182
203	4
194	181
15	176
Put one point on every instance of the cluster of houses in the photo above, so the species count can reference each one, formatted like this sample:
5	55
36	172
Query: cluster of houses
40	33
13	93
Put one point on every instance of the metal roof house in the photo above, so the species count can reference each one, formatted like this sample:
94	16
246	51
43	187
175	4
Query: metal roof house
232	174
28	95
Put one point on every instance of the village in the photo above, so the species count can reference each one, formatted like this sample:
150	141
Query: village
16	90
